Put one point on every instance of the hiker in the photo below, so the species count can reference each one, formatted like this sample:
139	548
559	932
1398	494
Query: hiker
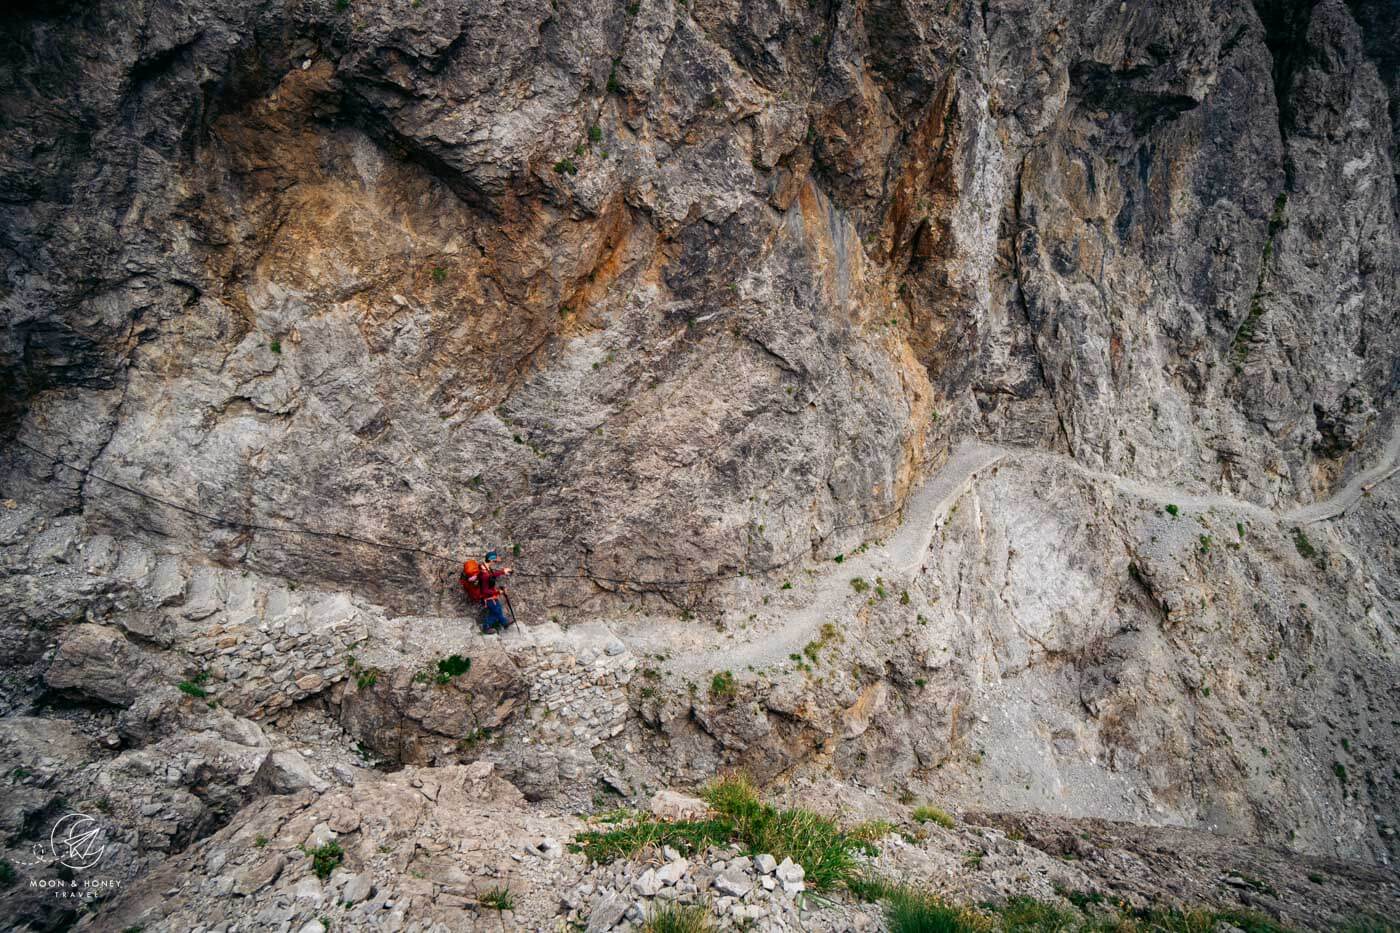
479	582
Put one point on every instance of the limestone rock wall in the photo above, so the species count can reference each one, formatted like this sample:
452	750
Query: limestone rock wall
572	276
679	304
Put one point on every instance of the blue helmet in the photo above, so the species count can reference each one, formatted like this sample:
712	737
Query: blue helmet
491	555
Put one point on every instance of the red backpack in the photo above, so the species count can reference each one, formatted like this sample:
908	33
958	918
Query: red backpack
471	579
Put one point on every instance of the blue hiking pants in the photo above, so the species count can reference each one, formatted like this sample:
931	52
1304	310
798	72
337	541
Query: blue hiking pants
495	614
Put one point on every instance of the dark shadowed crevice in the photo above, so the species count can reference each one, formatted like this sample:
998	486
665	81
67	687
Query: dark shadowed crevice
1129	92
1285	33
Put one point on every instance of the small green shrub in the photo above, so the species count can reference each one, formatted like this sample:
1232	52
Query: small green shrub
7	873
1173	511
260	842
565	167
453	665
1304	546
678	918
595	133
367	678
859	585
325	859
439	274
1340	770
342	5
498	898
192	689
473	738
722	684
275	346
931	814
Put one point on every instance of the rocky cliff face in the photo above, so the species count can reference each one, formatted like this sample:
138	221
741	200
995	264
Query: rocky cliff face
994	402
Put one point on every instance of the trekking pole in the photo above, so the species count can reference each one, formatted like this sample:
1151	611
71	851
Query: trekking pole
509	607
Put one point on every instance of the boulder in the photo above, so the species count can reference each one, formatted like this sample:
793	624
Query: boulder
791	875
97	662
733	883
286	772
258	875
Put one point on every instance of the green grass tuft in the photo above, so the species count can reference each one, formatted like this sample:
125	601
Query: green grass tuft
193	689
498	899
678	918
930	814
1028	913
630	837
910	911
825	851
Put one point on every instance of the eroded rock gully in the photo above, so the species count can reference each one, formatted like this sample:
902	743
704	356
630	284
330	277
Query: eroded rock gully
992	404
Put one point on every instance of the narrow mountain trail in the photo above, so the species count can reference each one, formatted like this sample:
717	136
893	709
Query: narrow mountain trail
1336	505
794	617
819	596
